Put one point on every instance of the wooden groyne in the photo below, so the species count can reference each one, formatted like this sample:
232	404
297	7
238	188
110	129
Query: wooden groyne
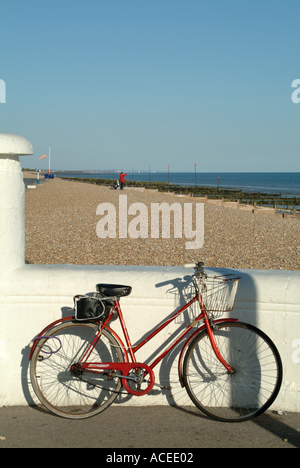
262	201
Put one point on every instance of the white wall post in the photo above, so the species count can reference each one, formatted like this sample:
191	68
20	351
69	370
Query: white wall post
12	201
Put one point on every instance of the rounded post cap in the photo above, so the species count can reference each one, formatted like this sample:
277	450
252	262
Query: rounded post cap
14	145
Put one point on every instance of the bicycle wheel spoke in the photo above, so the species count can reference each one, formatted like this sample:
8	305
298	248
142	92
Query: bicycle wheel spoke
59	388
256	377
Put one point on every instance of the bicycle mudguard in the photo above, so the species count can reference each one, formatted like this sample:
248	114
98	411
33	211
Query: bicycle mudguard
188	341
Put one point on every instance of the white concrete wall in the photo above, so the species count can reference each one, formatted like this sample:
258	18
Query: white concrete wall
35	295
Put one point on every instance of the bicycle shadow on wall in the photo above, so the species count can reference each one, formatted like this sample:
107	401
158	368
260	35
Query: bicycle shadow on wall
183	291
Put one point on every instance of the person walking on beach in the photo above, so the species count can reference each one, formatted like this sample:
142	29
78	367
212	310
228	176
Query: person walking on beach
122	180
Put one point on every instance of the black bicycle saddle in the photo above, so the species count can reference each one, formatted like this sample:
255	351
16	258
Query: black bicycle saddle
113	290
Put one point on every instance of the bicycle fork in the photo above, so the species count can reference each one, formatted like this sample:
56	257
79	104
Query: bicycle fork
208	326
214	345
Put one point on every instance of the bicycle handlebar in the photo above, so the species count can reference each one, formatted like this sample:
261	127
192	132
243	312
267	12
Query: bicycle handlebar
189	265
197	265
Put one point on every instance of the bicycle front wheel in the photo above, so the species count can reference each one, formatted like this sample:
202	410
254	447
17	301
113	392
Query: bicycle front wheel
254	383
65	392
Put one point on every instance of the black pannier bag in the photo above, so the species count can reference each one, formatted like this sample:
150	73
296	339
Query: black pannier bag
89	308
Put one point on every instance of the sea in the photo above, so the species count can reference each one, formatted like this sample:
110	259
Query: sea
284	183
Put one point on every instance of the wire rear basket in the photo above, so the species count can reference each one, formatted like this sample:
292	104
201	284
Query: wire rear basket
218	293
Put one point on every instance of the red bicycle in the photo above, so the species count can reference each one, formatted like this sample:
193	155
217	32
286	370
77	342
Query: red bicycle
231	370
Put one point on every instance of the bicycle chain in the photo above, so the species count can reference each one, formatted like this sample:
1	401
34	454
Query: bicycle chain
103	388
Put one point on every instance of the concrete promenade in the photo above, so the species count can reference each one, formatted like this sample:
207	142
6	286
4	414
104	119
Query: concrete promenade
32	181
122	429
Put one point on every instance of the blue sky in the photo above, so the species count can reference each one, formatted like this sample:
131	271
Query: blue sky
133	83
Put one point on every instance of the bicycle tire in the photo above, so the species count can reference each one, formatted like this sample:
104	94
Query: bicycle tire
58	388
253	386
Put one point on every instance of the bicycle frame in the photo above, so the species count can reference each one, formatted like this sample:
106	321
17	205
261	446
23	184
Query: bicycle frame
129	351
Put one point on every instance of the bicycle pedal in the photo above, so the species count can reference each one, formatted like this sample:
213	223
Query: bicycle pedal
165	387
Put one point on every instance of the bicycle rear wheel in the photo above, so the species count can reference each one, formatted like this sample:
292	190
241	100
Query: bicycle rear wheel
256	379
65	392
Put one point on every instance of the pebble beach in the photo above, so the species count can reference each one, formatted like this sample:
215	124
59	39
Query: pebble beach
61	222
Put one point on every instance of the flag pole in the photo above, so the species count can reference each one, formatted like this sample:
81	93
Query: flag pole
49	159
